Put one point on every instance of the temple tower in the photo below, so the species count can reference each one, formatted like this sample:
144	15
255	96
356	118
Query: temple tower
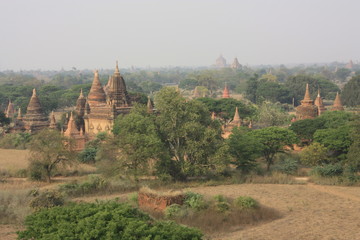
73	133
196	93
319	103
34	119
220	62
81	104
149	106
226	93
52	120
10	110
337	106
236	119
117	92
235	64
96	95
307	109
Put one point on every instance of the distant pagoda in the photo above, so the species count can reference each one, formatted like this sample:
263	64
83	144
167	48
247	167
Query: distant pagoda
235	64
337	106
220	62
226	92
307	109
34	119
10	110
319	103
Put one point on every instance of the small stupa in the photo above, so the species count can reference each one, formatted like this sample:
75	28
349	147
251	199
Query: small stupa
226	93
307	109
337	106
235	64
34	119
319	103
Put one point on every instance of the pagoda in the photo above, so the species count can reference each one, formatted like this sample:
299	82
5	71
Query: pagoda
34	119
220	62
337	106
75	135
10	110
235	64
226	93
117	92
307	109
319	103
196	93
52	120
149	106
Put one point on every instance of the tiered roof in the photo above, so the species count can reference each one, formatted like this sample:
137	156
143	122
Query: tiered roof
35	118
319	103
96	95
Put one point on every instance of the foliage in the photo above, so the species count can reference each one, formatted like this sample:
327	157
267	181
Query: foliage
47	199
195	201
306	128
15	140
336	140
350	96
48	151
244	149
3	119
273	92
315	154
272	140
327	170
138	141
287	164
225	107
109	220
270	114
174	210
188	134
246	202
352	157
88	155
92	185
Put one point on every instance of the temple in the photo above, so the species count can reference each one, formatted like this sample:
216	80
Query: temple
307	109
319	103
226	93
337	106
75	135
220	62
35	119
10	110
235	64
235	122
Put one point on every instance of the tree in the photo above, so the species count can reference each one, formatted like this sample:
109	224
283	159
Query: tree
251	89
188	133
272	140
352	157
350	95
244	149
336	140
306	128
4	120
270	114
272	91
138	141
48	150
315	154
342	73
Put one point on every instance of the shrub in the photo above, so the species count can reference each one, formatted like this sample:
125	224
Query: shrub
133	198
47	199
195	201
174	210
222	206
36	171
287	165
219	198
110	220
95	183
328	170
245	202
88	155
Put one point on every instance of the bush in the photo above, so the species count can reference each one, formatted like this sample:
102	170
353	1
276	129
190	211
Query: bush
94	184
36	171
288	166
88	155
47	199
222	206
328	170
195	201
133	198
174	210
219	198
110	220
245	202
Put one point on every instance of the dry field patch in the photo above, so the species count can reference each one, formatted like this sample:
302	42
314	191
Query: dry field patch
12	160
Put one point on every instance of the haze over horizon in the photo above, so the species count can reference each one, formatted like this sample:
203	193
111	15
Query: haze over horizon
91	34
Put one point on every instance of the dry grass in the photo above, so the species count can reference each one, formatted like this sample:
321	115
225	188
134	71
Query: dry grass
12	161
169	193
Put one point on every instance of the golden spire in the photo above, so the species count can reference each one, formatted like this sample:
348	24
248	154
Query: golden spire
150	107
34	92
307	93
337	103
213	116
19	117
81	94
117	67
236	116
71	127
226	93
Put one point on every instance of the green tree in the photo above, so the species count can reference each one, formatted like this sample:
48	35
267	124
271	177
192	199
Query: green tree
306	128
350	95
315	154
352	157
270	114
251	89
244	149
48	150
187	131
273	140
342	73
138	141
3	119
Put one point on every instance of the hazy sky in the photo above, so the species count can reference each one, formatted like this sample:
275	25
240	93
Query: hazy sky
51	34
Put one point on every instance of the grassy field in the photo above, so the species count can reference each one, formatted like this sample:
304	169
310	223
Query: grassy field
12	160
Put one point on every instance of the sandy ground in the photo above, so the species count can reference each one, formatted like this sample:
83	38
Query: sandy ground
310	212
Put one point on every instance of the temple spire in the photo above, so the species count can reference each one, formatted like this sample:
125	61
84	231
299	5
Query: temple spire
319	103
71	127
96	95
307	93
150	107
226	93
337	103
117	67
52	120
